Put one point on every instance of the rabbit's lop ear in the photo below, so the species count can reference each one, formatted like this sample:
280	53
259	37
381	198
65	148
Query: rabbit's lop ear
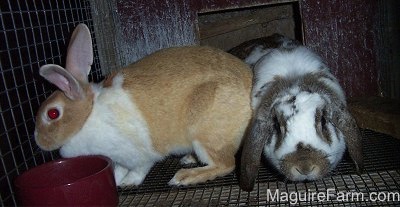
63	80
253	145
260	132
80	53
348	126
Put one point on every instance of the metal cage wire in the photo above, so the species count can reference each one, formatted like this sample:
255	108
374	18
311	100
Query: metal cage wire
34	33
382	175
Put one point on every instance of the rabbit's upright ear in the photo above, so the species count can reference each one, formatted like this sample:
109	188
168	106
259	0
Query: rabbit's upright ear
253	144
348	126
64	80
79	60
80	53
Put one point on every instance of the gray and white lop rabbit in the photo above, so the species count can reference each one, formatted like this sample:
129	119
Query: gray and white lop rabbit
301	121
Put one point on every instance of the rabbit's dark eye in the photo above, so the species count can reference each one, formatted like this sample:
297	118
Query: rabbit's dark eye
280	129
323	122
277	125
321	125
53	113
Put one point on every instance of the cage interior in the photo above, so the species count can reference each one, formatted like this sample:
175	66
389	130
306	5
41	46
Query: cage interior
381	174
34	33
228	28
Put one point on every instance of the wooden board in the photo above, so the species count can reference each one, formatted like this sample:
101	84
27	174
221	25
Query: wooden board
378	114
343	32
227	29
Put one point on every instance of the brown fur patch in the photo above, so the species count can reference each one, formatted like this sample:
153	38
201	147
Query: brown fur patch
200	99
305	158
193	93
311	82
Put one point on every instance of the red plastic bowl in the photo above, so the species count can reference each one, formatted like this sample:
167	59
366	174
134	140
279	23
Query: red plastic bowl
79	181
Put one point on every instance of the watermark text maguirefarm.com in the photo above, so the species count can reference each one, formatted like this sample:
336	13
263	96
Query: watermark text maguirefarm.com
330	195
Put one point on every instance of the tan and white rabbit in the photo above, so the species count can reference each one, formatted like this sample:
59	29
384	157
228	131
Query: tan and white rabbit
175	101
300	121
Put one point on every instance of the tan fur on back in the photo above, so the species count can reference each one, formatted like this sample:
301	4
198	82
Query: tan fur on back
192	93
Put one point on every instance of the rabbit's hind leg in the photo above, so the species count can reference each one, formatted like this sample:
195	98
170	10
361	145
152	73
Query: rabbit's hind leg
219	163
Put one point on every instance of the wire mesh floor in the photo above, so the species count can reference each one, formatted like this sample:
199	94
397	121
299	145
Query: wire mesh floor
378	186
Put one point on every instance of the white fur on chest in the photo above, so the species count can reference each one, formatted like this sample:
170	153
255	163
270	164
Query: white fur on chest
115	128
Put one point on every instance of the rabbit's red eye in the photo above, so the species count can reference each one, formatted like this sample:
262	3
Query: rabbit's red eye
53	113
